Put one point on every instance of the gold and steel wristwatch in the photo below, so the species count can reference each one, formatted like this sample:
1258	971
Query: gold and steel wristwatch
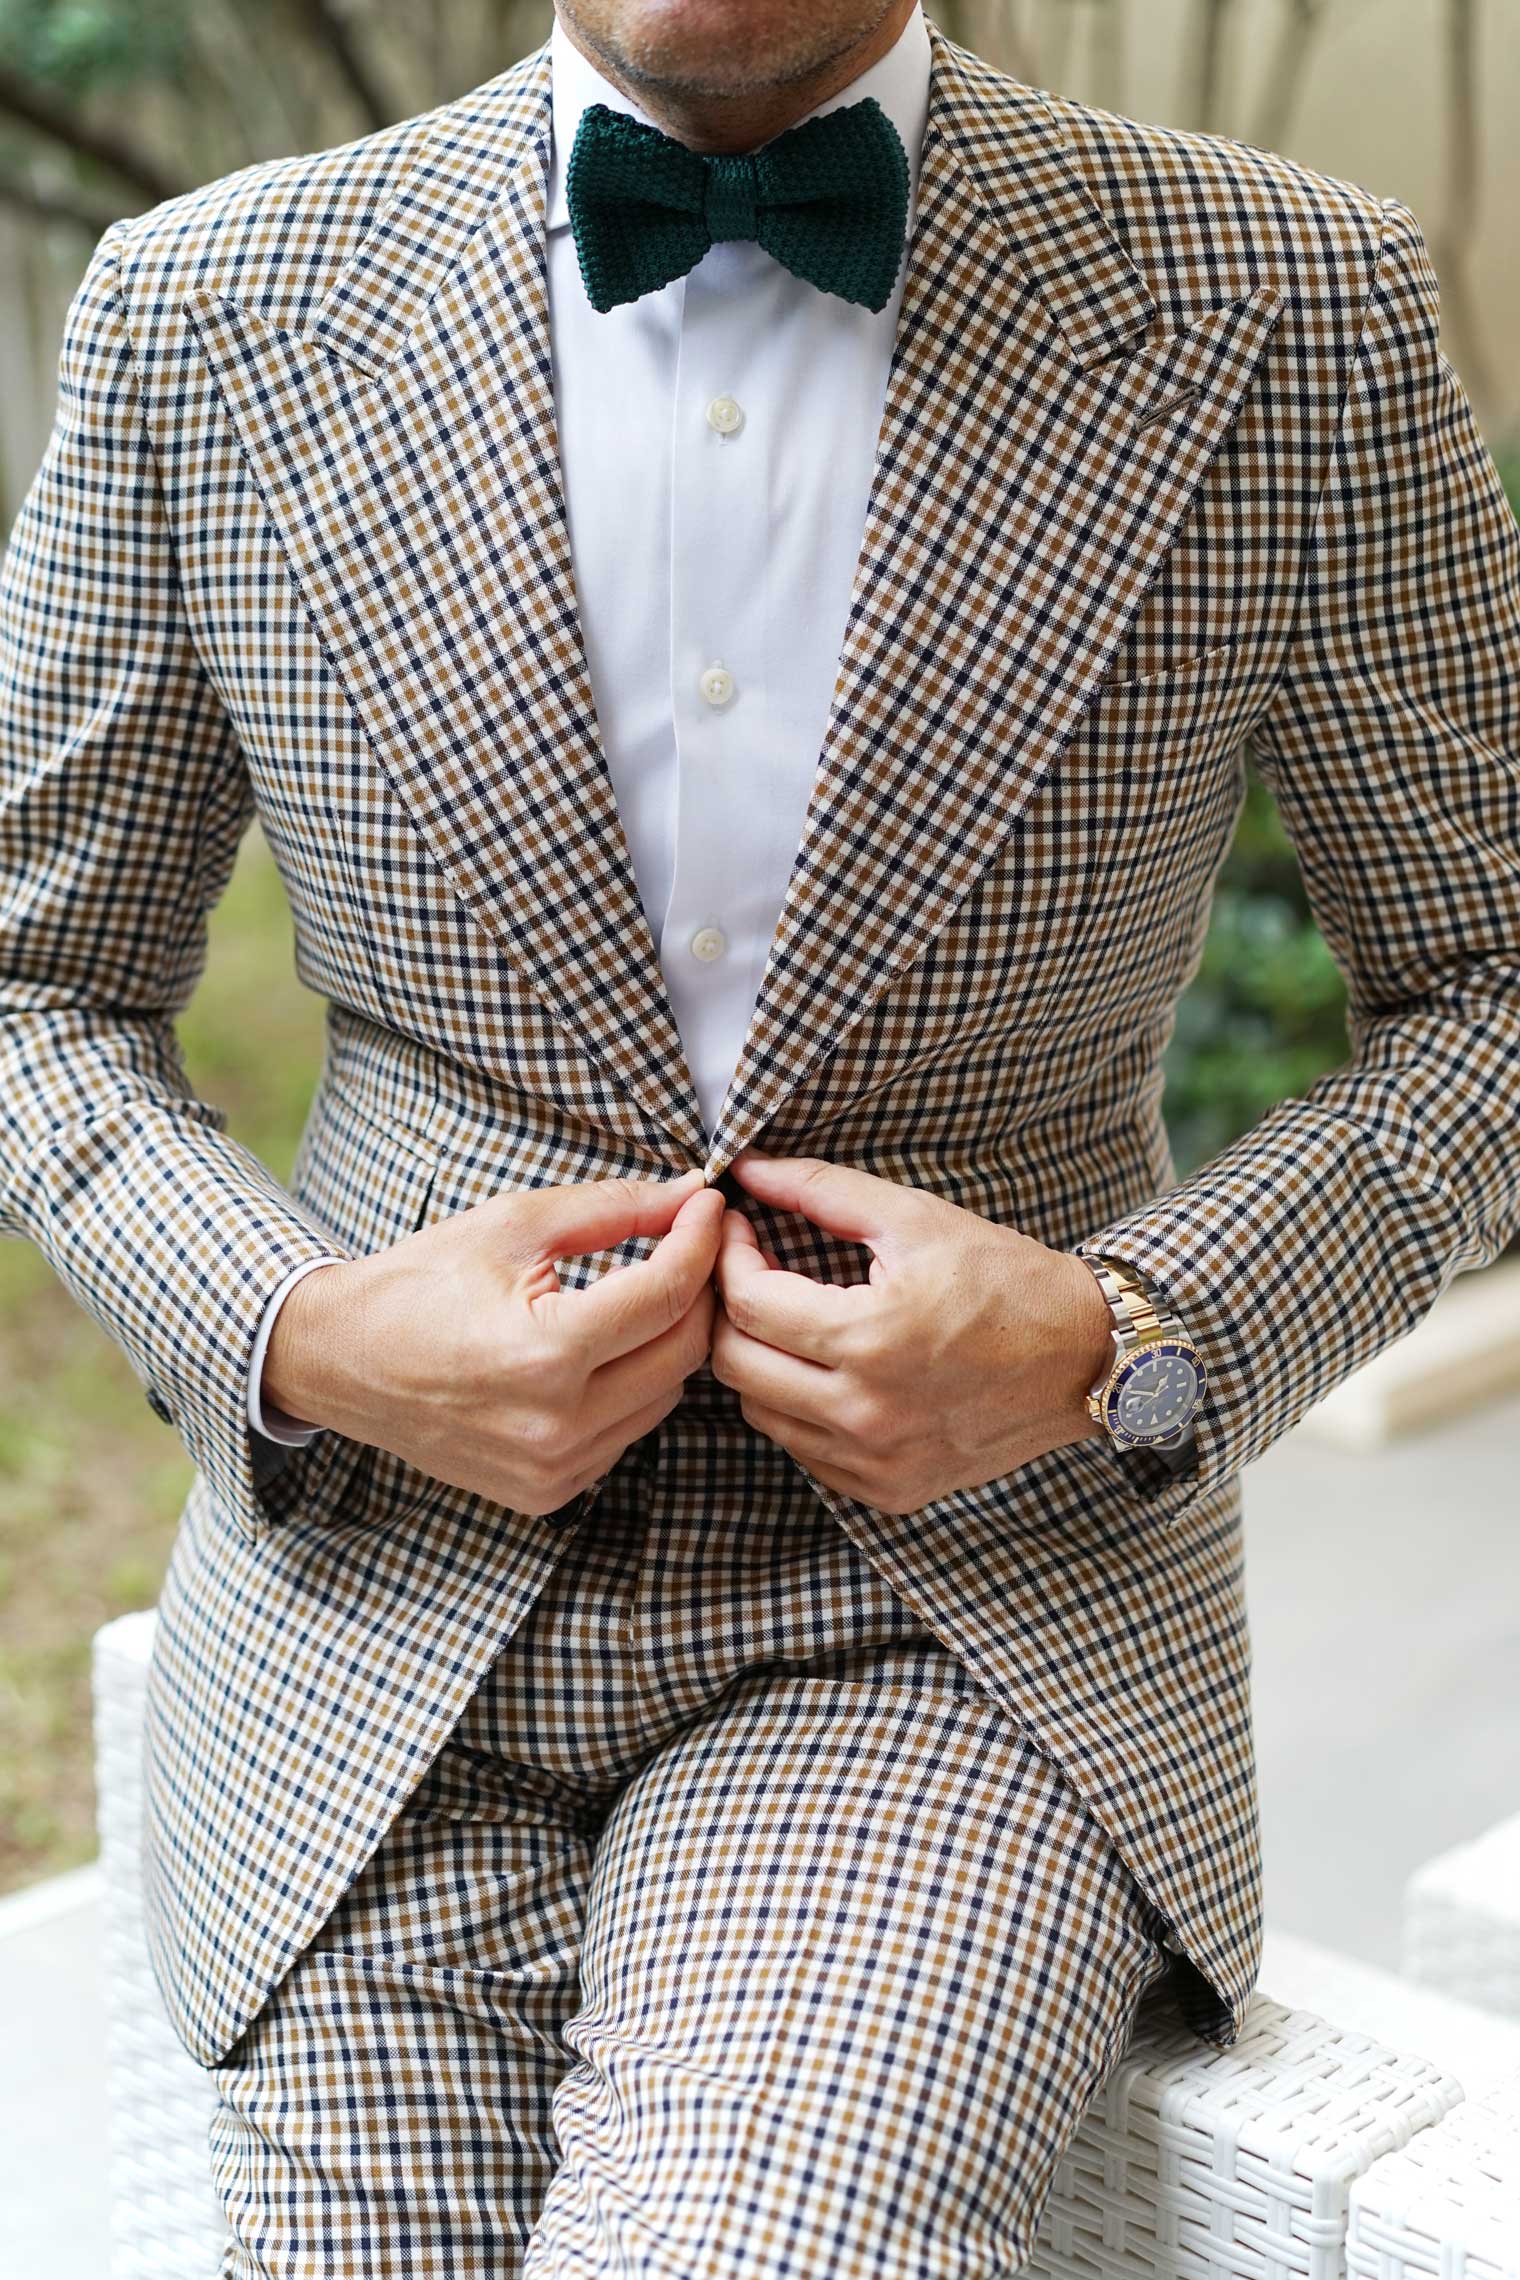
1151	1392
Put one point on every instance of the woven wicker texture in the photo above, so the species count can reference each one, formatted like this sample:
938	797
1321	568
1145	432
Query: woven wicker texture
165	2218
1462	1921
1448	2203
1238	2161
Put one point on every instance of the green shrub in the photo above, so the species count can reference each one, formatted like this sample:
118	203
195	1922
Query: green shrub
1265	1014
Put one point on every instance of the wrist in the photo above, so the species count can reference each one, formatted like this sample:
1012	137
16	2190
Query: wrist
303	1376
1091	1342
1094	1333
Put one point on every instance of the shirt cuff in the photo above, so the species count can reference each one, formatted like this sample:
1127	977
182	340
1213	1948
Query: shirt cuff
273	1424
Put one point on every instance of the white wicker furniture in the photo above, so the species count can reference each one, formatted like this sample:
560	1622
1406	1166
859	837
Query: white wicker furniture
166	2222
1461	1928
1447	2205
1192	2164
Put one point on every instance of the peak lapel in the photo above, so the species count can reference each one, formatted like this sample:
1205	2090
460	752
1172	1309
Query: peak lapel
1036	458
404	444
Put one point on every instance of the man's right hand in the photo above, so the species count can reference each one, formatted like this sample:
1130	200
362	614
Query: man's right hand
457	1350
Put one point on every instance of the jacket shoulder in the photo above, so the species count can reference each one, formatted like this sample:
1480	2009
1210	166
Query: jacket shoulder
276	233
1208	218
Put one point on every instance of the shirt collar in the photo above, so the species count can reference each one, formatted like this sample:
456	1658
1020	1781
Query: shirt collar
899	80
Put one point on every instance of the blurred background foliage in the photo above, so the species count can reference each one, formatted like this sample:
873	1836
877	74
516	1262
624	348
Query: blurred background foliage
108	106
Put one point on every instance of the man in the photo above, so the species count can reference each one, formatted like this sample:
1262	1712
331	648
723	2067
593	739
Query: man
690	1756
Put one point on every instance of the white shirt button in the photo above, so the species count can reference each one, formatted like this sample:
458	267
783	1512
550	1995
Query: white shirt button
717	684
708	943
725	415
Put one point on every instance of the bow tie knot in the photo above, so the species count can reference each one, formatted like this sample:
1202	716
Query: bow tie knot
827	198
731	203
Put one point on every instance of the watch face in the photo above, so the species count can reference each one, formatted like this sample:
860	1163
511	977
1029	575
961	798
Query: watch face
1158	1393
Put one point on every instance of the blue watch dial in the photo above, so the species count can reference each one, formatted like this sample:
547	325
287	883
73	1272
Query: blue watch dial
1158	1393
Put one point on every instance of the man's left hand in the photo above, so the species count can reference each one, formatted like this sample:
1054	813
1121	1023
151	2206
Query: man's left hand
966	1354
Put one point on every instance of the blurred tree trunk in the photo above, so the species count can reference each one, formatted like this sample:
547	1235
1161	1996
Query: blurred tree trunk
1204	62
1300	25
997	29
1109	75
1451	239
259	78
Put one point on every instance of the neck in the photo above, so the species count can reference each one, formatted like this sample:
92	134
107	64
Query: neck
743	121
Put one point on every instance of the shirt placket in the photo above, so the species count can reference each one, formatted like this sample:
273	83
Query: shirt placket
717	920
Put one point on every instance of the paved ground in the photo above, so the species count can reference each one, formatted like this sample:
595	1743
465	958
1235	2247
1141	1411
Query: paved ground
1385	1611
1385	1599
53	2112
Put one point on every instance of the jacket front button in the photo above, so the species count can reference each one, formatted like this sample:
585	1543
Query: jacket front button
159	1406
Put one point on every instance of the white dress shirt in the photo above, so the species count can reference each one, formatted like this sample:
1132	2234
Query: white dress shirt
717	439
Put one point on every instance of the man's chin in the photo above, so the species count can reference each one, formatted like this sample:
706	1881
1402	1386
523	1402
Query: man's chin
708	50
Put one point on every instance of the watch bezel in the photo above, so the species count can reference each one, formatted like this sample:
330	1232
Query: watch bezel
1170	1342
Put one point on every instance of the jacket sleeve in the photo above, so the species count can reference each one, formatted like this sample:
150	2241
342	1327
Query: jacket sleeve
122	800
1391	747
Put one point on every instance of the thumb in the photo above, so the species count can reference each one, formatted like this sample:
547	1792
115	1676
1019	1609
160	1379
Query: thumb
560	1222
837	1197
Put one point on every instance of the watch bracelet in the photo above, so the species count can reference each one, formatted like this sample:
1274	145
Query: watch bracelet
1147	1317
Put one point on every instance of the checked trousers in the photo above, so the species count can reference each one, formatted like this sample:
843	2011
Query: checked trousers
733	1933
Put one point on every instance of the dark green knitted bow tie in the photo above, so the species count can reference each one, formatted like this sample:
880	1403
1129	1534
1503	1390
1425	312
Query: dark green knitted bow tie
828	198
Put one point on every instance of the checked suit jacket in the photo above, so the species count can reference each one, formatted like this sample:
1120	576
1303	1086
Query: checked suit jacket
1170	463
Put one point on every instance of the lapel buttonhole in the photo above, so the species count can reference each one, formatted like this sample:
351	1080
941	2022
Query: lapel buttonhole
1167	405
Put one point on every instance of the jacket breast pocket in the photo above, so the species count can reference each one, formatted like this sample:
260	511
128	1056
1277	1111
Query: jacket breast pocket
1144	800
1150	725
1156	678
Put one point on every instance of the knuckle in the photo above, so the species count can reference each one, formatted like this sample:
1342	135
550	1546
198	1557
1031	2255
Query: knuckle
869	1419
527	1438
543	1438
536	1373
678	1303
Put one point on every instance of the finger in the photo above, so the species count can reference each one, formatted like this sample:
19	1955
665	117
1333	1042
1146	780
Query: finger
843	1483
847	1202
559	1222
816	1452
604	1449
633	1304
737	1229
784	1309
618	1387
807	1391
809	1444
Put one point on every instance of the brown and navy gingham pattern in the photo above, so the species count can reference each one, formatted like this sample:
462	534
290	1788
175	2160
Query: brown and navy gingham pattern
731	1934
1169	459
